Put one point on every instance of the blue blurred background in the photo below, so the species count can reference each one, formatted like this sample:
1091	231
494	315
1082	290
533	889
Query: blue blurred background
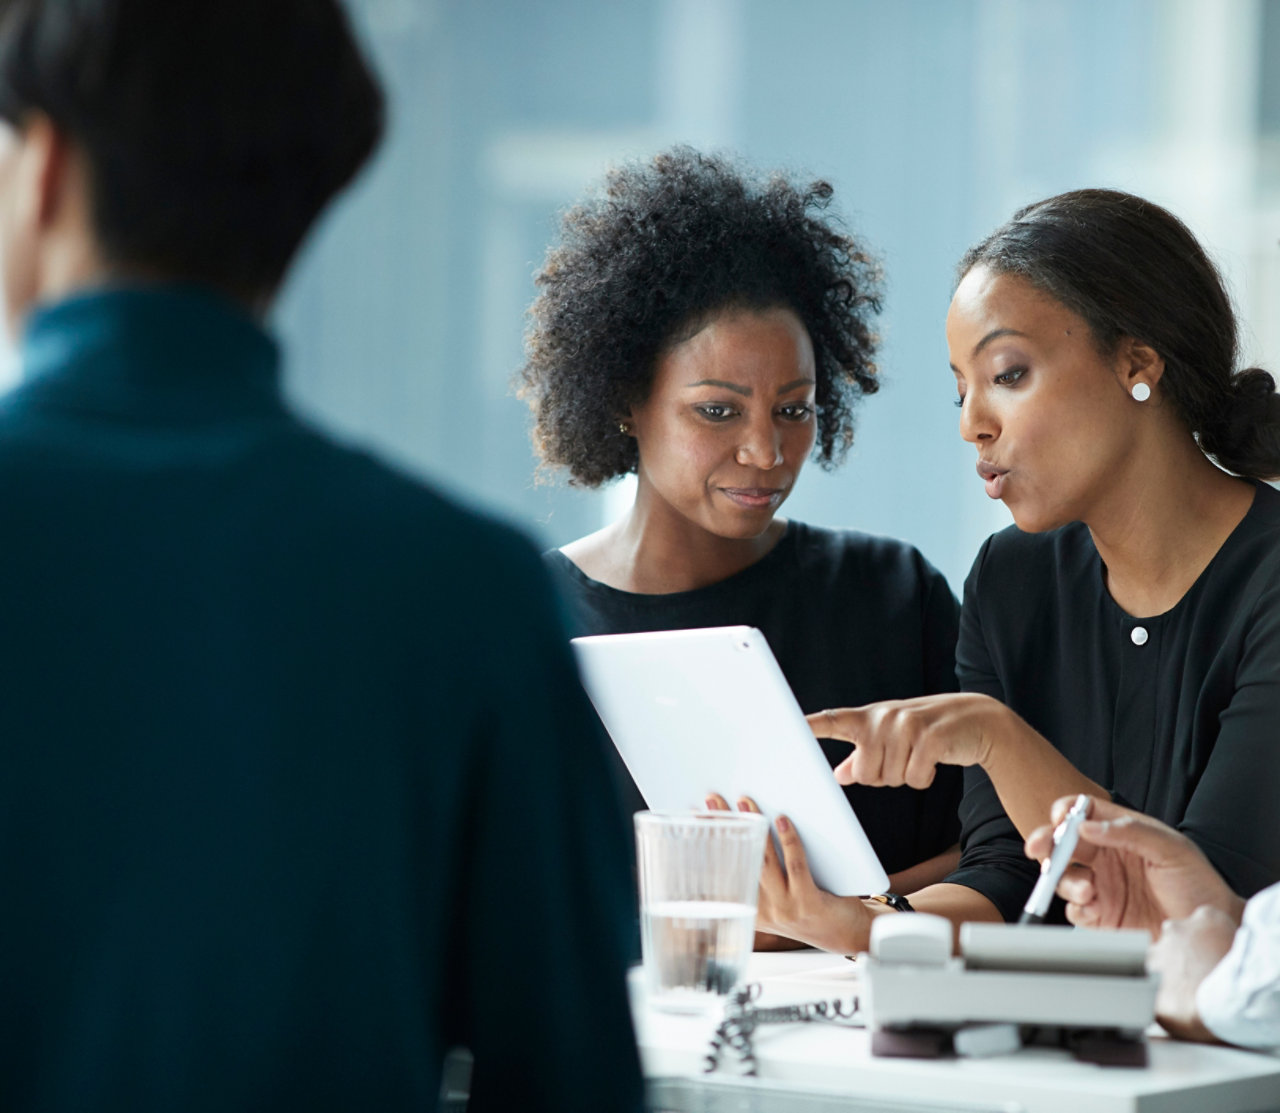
933	119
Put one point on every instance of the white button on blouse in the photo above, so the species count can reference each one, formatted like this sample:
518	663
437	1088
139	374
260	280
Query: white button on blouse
1138	635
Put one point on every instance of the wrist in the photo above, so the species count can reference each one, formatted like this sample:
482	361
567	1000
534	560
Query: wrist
994	728
892	900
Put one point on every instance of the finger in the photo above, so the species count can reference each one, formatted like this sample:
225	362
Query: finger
823	723
794	858
746	804
898	756
772	875
866	762
1084	915
1140	835
1099	809
847	724
1078	885
920	770
716	803
1042	847
1039	843
844	771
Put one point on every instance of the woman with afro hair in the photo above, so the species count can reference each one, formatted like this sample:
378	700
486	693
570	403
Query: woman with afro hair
709	331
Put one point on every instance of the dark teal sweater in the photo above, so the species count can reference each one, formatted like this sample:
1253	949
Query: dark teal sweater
299	788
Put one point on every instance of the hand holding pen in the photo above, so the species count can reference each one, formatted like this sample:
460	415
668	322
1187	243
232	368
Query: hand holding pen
1065	836
1127	870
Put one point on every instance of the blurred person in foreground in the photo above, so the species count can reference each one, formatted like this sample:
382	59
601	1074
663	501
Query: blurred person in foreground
1218	956
261	803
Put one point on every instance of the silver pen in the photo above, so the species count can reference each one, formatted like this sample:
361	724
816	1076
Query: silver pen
1065	837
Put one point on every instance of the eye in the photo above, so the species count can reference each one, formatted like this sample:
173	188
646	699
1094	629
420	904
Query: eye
1008	378
796	411
715	411
959	402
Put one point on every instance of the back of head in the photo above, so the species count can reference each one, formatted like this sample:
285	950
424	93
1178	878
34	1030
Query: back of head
1131	268
215	130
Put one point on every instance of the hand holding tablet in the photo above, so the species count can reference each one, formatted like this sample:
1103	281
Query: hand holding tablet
790	904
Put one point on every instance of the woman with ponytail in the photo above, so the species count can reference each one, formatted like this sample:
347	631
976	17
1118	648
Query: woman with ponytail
1122	639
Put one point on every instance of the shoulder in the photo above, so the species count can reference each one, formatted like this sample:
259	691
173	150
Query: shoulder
1248	566
1016	558
1260	530
401	526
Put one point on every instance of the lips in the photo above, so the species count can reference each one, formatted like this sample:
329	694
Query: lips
754	498
993	477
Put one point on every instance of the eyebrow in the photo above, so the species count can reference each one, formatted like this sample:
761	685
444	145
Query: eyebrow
994	334
746	391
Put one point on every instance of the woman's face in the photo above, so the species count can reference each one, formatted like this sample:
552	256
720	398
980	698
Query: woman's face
1049	413
728	423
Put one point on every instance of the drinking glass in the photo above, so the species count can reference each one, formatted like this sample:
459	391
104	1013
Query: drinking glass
699	880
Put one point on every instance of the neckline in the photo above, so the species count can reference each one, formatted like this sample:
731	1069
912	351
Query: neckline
162	350
781	551
1256	509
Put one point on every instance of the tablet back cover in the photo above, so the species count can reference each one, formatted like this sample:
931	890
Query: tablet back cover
699	711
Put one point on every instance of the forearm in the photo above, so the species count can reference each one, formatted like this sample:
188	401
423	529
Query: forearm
958	903
768	941
928	872
1028	773
847	929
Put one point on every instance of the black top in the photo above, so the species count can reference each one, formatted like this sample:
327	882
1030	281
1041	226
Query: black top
282	818
1181	721
851	619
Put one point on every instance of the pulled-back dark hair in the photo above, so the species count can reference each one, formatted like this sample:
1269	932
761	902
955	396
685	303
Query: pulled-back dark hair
668	244
1131	268
215	130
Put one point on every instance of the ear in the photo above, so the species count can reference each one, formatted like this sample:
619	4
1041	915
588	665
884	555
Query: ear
1138	362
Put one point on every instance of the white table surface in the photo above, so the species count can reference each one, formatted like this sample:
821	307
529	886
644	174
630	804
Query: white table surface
1181	1077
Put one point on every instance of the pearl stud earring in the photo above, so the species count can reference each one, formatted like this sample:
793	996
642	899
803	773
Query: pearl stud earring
1141	392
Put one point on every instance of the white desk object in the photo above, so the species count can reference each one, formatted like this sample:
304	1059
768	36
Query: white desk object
824	1067
1056	977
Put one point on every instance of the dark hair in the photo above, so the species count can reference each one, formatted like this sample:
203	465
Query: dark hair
1131	268
215	130
668	244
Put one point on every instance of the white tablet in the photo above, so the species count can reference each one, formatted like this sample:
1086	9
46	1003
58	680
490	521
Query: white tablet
700	711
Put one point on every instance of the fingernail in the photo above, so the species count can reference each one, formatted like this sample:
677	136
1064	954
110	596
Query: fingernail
710	801
783	825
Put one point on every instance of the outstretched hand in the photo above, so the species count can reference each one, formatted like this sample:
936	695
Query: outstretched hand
901	742
791	904
1132	871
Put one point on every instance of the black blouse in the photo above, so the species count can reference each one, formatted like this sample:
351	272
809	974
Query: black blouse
851	619
1177	715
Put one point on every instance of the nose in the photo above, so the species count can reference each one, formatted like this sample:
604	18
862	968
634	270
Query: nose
762	446
977	423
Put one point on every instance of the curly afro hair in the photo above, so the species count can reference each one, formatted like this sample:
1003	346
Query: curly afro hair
669	244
